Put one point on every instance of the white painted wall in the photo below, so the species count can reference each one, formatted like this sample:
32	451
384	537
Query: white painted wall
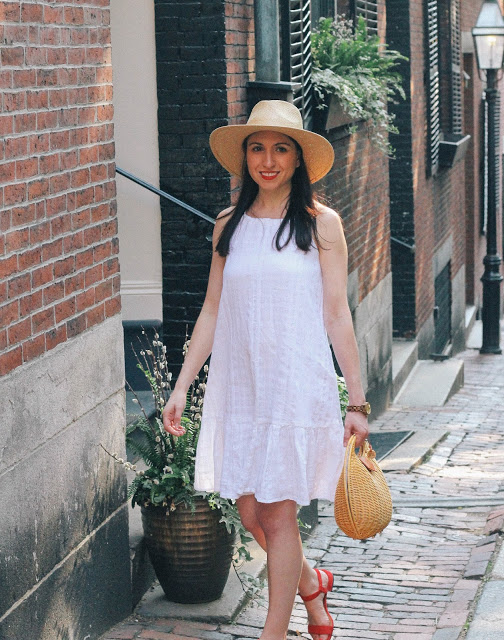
136	137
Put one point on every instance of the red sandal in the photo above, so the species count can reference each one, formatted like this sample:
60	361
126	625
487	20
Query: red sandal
319	629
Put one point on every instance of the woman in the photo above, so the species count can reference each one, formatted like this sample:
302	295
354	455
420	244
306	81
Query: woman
271	433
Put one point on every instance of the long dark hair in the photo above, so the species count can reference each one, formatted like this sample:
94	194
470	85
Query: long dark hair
300	214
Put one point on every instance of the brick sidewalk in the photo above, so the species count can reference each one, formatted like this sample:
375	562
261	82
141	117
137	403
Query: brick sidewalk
419	579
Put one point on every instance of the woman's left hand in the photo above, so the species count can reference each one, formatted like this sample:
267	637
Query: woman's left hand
356	422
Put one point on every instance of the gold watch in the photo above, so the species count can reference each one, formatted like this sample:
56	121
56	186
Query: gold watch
363	408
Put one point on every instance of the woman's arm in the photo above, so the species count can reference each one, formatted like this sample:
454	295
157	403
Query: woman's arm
337	317
202	338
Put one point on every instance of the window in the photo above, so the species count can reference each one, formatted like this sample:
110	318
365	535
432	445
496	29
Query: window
295	26
432	85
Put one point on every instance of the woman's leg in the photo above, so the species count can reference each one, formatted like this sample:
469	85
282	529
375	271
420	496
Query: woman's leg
308	582
278	521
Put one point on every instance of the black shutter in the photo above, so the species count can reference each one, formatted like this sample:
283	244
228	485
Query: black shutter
456	70
322	9
368	9
432	84
296	53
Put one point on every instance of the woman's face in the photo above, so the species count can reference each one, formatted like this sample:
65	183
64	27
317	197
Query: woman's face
272	159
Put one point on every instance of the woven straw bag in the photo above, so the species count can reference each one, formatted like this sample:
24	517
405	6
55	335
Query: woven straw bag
362	504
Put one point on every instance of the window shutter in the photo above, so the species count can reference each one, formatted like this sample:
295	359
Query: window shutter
296	53
432	85
322	9
368	9
456	71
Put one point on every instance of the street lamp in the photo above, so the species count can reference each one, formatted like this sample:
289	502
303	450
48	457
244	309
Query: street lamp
488	37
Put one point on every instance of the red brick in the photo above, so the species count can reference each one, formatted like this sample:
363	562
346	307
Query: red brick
10	360
42	275
43	320
19	332
23	78
96	315
113	306
37	99
33	348
103	291
56	205
3	292
102	251
64	267
54	292
31	303
19	285
9	313
81	219
65	309
68	159
76	325
27	169
36	57
74	283
60	225
14	193
47	120
59	182
31	12
22	215
6	125
57	56
39	233
88	155
74	15
29	257
93	275
7	172
53	15
55	337
15	240
73	242
16	147
49	164
12	56
3	340
52	249
38	188
39	143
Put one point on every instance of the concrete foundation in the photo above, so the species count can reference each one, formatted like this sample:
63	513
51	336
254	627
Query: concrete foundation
64	557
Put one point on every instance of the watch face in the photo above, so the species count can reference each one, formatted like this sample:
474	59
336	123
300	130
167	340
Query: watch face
367	407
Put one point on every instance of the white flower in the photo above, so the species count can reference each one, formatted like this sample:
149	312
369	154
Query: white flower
205	368
172	507
158	439
168	376
149	352
134	467
142	353
197	416
120	460
155	481
167	470
135	400
140	473
164	349
170	456
156	335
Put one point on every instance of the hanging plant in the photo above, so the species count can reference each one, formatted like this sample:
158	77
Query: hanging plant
361	72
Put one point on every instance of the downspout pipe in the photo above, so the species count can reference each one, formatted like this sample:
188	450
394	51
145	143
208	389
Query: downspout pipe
267	40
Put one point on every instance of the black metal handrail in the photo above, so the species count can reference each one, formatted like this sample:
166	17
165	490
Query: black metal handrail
165	195
401	243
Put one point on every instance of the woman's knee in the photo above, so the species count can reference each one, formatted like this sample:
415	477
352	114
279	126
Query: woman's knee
277	518
248	516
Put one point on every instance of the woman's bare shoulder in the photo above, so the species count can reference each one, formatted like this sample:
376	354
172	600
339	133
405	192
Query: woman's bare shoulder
225	213
329	224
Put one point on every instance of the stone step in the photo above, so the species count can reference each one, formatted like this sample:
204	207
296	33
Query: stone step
413	451
431	384
470	319
404	358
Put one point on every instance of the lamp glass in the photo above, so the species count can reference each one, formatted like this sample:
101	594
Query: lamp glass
488	36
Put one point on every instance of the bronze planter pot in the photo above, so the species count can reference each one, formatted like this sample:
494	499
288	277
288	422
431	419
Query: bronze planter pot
191	552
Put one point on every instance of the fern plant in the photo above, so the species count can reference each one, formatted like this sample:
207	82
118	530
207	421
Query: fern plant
360	71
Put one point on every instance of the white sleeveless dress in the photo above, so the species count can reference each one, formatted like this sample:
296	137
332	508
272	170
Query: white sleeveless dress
271	423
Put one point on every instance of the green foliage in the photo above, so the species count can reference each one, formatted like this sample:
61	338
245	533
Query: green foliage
361	71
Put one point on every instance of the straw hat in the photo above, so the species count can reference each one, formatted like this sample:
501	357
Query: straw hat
272	115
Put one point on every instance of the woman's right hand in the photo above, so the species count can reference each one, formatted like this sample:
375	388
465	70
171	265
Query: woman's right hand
172	413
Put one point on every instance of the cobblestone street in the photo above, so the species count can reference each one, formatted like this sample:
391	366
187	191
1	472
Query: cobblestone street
420	579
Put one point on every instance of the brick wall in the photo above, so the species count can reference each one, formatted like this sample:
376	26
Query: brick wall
357	187
240	62
58	227
192	98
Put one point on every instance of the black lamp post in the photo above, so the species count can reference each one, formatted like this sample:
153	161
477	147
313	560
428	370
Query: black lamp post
488	37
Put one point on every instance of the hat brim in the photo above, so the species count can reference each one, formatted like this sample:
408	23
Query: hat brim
226	144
